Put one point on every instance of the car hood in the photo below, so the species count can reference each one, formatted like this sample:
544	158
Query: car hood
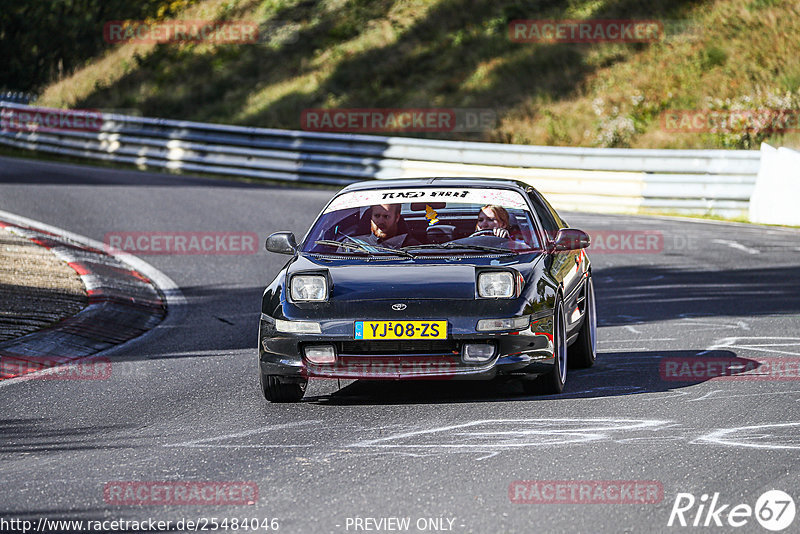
404	281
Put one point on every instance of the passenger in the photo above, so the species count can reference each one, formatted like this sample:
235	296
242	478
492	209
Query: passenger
385	227
493	219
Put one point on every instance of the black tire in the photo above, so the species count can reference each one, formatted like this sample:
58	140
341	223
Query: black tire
583	353
553	382
276	390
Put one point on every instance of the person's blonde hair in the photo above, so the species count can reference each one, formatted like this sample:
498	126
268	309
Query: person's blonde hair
500	214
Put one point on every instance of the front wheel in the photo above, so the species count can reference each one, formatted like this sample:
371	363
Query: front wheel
583	352
553	382
276	390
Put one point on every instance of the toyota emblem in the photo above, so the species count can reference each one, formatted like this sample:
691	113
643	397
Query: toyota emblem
399	306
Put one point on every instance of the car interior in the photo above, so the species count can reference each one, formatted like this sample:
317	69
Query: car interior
453	222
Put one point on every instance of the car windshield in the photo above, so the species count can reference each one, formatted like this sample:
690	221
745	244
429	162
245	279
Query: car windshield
424	221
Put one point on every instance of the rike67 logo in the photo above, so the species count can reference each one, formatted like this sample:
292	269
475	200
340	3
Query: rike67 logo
774	510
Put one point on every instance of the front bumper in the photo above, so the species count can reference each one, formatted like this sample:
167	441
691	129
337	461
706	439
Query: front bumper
529	351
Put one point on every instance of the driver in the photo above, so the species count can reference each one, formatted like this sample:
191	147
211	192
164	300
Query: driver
493	219
384	223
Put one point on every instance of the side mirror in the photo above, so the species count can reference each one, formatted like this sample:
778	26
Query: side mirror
571	239
281	243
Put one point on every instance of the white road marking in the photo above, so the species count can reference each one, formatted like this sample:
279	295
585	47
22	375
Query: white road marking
737	246
758	349
205	442
635	340
719	344
626	357
488	438
630	349
662	395
696	322
755	437
741	342
493	434
708	396
705	396
619	390
651	439
769	337
796	344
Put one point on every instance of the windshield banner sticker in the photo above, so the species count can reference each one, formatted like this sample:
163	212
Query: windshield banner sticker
499	197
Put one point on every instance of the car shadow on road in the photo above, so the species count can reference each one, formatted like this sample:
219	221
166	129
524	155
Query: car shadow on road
615	374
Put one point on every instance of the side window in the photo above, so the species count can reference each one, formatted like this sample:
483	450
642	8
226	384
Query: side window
559	221
546	215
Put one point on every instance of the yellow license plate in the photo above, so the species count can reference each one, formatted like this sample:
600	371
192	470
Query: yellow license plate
401	330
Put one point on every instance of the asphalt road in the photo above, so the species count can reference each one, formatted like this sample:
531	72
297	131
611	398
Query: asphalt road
183	403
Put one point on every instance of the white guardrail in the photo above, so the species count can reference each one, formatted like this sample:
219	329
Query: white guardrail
717	182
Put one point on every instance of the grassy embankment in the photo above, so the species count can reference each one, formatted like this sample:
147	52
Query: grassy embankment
724	54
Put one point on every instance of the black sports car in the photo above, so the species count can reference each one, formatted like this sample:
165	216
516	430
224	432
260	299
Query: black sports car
462	278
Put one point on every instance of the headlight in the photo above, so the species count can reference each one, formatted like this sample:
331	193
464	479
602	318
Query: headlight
297	327
309	287
515	323
496	284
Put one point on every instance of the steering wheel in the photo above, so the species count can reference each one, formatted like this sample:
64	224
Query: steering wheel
487	232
